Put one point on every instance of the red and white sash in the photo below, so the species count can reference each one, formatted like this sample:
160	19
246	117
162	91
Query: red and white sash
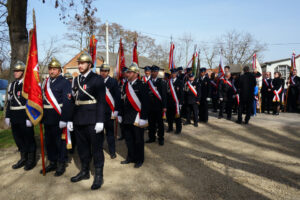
134	101
214	84
194	91
174	96
276	97
234	89
292	82
145	79
154	90
110	101
266	82
52	100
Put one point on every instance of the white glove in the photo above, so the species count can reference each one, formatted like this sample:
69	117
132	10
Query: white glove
62	124
28	123
115	114
207	99
120	119
99	127
143	122
70	126
221	99
7	121
180	106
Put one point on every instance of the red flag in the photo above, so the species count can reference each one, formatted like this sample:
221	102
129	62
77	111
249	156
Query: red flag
135	55
93	50
120	61
171	57
32	87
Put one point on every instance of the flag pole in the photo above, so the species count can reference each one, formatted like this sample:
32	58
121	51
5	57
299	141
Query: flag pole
42	148
107	55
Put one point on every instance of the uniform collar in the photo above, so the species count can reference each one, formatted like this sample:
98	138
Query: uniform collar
106	79
154	79
133	81
20	81
174	79
86	74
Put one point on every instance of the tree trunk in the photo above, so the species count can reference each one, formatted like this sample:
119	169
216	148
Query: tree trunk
18	34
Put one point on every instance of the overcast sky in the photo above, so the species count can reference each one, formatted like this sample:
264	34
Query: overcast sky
272	22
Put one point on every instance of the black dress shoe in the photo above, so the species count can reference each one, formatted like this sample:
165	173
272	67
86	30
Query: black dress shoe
125	162
238	122
51	167
177	132
161	142
169	130
228	118
187	123
246	122
82	175
138	165
150	141
121	138
98	179
61	168
31	161
21	162
196	124
220	117
113	156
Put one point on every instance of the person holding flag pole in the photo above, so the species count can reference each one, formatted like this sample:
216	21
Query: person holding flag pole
32	91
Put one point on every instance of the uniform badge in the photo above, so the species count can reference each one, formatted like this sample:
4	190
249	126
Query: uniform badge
19	93
84	86
69	96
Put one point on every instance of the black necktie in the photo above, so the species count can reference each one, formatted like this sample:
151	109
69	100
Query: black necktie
82	79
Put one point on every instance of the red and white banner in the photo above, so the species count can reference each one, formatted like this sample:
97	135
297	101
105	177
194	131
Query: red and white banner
191	87
174	96
110	101
276	97
134	101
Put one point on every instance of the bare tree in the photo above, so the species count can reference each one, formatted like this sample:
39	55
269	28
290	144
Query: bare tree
49	50
210	53
187	40
238	48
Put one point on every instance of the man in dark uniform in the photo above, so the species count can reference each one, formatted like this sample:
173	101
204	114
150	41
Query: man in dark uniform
166	76
21	126
214	91
226	95
57	104
174	101
88	91
293	92
266	93
205	95
158	104
147	76
112	107
192	99
246	85
186	76
180	73
134	116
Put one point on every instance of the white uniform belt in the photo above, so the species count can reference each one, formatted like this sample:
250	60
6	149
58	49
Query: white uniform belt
50	106
17	107
87	102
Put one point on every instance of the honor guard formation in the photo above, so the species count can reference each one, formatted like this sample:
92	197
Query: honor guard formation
85	110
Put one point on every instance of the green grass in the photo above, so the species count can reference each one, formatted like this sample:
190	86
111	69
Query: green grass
7	139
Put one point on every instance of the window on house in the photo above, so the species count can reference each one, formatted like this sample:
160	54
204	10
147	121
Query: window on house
284	70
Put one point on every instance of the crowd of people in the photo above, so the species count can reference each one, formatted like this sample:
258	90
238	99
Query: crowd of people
88	107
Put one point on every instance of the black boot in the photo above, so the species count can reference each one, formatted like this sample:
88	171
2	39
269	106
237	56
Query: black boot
21	162
82	175
51	167
31	161
98	179
61	168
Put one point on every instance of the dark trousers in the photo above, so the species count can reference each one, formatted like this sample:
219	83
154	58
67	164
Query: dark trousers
134	137
189	109
156	123
276	107
55	145
89	145
171	118
266	102
203	111
215	104
293	96
110	137
24	137
248	106
228	108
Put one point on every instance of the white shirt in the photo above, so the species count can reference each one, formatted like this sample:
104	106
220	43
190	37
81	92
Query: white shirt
131	83
86	74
